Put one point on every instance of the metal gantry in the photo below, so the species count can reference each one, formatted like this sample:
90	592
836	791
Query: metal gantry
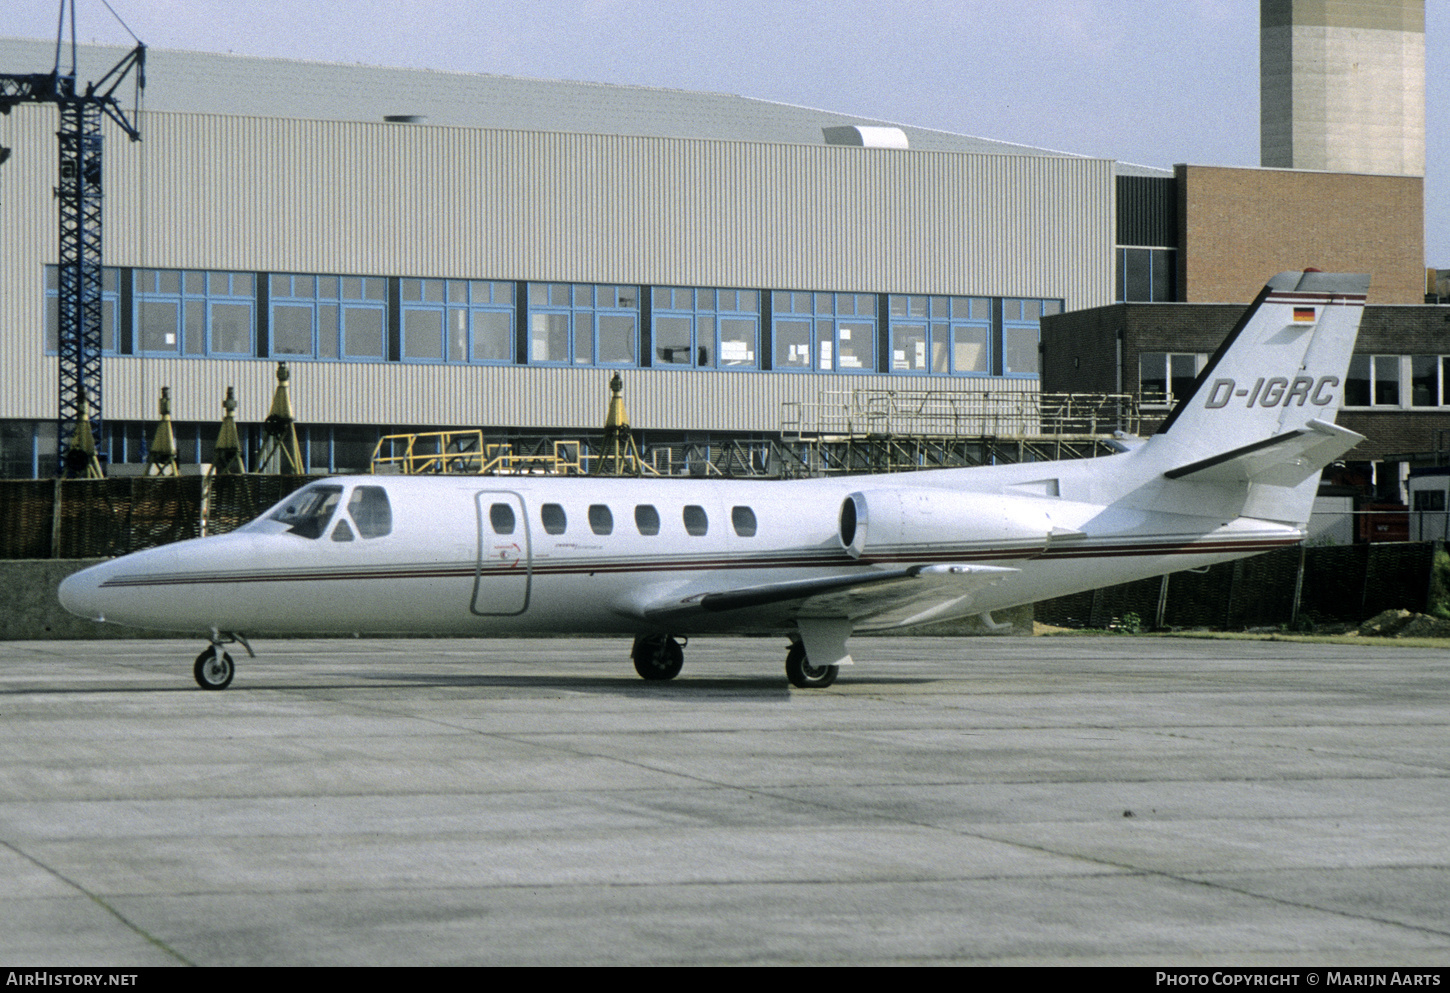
79	193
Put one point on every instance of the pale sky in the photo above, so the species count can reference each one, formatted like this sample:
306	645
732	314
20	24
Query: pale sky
1149	81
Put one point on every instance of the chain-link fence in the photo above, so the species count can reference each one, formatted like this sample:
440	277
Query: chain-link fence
94	518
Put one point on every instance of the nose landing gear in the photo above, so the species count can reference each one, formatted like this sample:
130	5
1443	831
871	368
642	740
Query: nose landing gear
214	667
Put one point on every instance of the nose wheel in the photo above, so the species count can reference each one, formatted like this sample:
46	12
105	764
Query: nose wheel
214	669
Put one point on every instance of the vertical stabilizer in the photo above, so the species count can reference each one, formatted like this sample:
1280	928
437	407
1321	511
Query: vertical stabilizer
1283	366
1258	427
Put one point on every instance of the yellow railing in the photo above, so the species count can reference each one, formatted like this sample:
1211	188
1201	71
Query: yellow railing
464	453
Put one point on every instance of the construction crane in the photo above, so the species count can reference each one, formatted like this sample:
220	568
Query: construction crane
79	193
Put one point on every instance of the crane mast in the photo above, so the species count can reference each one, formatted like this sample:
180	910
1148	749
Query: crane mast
79	194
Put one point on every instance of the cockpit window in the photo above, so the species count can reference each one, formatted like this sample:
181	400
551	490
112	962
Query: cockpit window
371	511
307	511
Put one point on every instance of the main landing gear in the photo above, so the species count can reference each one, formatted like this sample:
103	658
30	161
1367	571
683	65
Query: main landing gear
214	667
658	656
802	674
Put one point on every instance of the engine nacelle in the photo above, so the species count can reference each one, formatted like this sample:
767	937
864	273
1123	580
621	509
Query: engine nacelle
905	524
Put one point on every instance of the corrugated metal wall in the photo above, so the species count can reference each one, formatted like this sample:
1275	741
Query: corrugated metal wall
497	396
1148	211
256	194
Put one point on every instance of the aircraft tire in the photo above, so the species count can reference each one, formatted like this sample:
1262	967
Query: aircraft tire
214	669
803	675
658	658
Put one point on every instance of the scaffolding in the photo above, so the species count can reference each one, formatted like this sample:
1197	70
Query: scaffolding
464	452
857	431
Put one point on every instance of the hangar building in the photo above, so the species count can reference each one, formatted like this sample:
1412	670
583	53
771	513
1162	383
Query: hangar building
432	249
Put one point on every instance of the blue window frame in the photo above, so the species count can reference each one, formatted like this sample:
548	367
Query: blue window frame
583	324
328	317
1021	334
194	313
110	310
705	328
934	335
824	332
457	320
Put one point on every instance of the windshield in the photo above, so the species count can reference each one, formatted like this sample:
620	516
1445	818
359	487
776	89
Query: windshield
307	511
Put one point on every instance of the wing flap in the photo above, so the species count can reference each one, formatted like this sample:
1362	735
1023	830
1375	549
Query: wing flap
869	595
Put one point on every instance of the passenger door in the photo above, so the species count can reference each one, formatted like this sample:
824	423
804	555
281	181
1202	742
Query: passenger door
505	570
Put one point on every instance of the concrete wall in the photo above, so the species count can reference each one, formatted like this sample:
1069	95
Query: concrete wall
1342	85
32	611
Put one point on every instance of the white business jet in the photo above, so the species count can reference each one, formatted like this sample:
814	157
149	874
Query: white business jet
1231	472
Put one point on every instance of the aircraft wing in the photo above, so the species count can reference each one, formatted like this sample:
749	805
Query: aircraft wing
884	598
1284	460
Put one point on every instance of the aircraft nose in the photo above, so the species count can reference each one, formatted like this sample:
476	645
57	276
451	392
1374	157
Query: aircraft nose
80	593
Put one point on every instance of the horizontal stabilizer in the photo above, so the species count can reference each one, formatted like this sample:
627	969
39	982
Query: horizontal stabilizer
1284	460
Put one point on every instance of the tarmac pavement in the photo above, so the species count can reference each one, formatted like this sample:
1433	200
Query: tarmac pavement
1064	800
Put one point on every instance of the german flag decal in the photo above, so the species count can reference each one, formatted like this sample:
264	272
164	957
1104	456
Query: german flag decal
1304	314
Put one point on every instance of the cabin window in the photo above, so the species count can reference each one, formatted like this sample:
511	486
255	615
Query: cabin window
309	510
553	517
696	522
743	520
342	532
601	521
371	511
501	516
647	519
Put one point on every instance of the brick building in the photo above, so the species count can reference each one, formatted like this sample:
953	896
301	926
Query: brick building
1397	394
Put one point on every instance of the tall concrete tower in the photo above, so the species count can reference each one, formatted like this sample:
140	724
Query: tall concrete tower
1342	85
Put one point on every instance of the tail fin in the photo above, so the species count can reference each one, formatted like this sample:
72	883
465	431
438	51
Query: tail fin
1283	366
1260	418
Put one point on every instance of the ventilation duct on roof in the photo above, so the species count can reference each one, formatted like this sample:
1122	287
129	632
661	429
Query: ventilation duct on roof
406	118
866	137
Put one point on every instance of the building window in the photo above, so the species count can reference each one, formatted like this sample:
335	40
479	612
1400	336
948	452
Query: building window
110	310
1429	380
1022	333
1147	275
940	335
1164	378
328	317
457	320
581	324
827	332
705	328
1374	381
194	313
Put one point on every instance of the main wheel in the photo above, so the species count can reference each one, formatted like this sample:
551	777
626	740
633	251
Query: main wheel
214	669
805	676
658	657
